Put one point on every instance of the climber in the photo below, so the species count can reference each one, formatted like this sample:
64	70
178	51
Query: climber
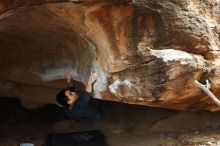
79	106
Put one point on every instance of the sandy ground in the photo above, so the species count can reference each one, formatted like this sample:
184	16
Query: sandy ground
124	125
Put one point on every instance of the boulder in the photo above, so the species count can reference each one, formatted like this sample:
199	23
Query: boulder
146	52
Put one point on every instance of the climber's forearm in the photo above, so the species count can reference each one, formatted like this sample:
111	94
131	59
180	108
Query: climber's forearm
89	87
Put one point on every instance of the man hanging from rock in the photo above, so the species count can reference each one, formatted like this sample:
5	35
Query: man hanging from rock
79	106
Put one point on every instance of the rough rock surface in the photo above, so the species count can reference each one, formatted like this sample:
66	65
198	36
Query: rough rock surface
147	52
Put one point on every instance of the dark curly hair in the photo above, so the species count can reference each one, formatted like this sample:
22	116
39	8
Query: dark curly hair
62	98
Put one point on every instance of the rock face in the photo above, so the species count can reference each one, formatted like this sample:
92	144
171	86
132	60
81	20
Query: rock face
147	52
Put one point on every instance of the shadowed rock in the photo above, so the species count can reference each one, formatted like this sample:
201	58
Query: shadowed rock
147	52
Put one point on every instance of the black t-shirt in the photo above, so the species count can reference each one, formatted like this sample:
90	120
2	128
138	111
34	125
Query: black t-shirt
83	110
